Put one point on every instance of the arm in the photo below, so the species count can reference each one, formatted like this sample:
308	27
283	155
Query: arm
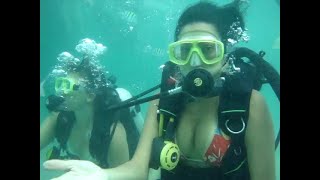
47	130
260	140
118	150
138	166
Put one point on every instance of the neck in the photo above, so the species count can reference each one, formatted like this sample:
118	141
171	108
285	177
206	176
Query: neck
84	117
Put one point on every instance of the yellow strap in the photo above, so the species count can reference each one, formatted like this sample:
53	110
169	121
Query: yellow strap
161	124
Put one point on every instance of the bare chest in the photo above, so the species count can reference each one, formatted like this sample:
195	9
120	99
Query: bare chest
78	143
195	132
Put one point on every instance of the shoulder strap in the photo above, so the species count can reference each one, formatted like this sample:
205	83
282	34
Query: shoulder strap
170	106
65	122
233	115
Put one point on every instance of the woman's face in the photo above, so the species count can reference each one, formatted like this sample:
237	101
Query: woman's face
79	97
203	31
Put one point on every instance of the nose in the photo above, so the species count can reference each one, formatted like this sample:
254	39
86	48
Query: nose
195	60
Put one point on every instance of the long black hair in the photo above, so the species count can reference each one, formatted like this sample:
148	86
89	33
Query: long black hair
224	18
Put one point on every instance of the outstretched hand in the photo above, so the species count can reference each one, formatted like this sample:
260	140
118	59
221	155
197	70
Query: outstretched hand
76	169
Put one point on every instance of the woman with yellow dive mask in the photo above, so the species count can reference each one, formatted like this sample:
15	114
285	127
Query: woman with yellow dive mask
79	122
65	85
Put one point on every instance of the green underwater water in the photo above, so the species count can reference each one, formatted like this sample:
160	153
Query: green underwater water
136	34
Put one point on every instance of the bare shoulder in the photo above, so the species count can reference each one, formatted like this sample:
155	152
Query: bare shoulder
118	152
119	136
259	120
119	131
259	115
259	139
258	107
257	98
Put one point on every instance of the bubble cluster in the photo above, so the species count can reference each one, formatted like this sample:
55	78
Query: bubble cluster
90	51
90	48
237	34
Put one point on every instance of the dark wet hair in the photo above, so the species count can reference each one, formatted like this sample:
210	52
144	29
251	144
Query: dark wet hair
95	77
221	17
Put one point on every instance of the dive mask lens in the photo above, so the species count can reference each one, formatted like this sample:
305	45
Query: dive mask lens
64	85
210	51
179	52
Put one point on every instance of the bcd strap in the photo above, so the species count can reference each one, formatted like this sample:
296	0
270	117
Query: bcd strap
169	107
166	129
65	122
233	117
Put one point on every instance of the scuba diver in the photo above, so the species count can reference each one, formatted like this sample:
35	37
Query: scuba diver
79	120
211	121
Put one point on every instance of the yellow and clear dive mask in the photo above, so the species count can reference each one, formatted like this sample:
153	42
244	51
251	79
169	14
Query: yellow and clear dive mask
65	85
210	51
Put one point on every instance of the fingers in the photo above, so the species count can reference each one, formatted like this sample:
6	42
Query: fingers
64	165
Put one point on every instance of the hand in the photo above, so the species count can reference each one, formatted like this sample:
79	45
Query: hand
76	169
